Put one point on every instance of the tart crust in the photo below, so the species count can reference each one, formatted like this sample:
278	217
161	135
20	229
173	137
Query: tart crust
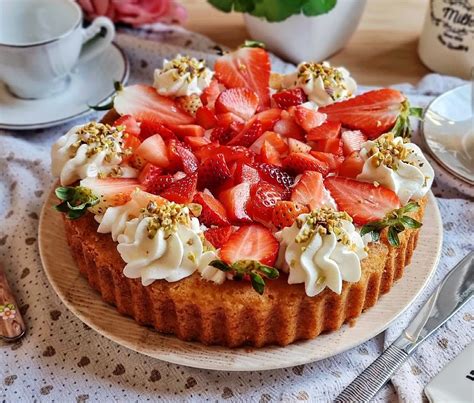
233	314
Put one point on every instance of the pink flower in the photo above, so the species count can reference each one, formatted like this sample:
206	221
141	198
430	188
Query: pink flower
135	12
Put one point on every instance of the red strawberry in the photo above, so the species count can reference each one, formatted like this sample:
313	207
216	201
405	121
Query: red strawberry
297	163
269	154
221	134
235	201
246	173
297	146
249	68
160	183
333	160
267	118
130	124
213	171
309	190
332	145
240	101
148	174
189	103
153	149
286	212
374	112
213	212
230	120
276	140
188	130
264	197
248	135
231	153
210	94
352	140
131	143
287	98
218	236
182	190
145	104
364	202
189	162
251	242
149	128
288	128
196	142
351	166
206	118
274	174
308	118
326	131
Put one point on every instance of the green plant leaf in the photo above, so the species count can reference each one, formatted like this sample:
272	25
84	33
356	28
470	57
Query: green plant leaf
412	206
409	222
393	237
253	44
221	265
416	112
269	272
75	201
257	282
312	8
64	193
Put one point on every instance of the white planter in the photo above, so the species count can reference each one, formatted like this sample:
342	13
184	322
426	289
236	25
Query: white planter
300	38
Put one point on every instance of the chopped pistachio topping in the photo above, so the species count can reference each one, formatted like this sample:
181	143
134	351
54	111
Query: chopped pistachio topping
165	217
323	221
185	65
389	152
99	137
332	77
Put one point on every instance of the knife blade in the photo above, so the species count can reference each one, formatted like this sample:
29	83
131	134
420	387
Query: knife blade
455	290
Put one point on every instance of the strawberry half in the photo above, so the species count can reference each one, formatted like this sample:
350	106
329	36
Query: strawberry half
249	68
333	160
246	173
297	163
213	172
351	166
213	212
264	197
149	174
364	202
159	183
297	146
218	236
274	174
248	135
326	131
239	101
206	118
373	112
251	242
287	127
308	118
309	190
182	190
286	212
235	201
287	98
352	140
145	104
154	150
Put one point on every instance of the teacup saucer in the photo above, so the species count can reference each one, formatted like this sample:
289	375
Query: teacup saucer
90	84
448	131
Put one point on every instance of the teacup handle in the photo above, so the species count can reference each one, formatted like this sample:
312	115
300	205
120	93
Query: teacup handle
96	37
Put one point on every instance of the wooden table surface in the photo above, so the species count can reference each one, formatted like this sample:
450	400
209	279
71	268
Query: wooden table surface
381	52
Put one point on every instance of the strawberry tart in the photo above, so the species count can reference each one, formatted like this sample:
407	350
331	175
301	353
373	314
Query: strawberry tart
237	206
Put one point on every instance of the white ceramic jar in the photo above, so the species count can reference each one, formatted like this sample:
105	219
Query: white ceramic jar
301	38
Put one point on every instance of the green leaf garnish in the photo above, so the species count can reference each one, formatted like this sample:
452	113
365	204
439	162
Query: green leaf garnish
396	221
110	104
75	201
255	270
275	10
253	44
402	127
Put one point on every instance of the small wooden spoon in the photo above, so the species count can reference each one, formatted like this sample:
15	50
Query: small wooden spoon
12	326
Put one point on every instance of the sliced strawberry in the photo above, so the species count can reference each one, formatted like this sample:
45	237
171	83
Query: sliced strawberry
351	166
129	123
276	140
246	173
196	142
213	212
267	118
308	118
130	143
222	134
182	190
206	118
297	163
240	101
269	154
149	128
189	162
274	174
332	145
148	174
373	112
189	103
287	98
218	236
235	201
145	104
153	149
231	153
158	184
213	172
286	212
364	202
333	160
248	135
264	197
309	190
188	130
210	94
326	131
230	120
352	140
297	146
251	242
249	68
288	128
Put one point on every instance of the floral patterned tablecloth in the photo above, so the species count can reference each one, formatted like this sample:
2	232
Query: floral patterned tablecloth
61	359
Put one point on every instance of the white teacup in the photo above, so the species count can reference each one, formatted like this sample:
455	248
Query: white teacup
42	40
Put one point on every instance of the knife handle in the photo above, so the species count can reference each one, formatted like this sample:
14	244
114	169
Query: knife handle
374	377
12	326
